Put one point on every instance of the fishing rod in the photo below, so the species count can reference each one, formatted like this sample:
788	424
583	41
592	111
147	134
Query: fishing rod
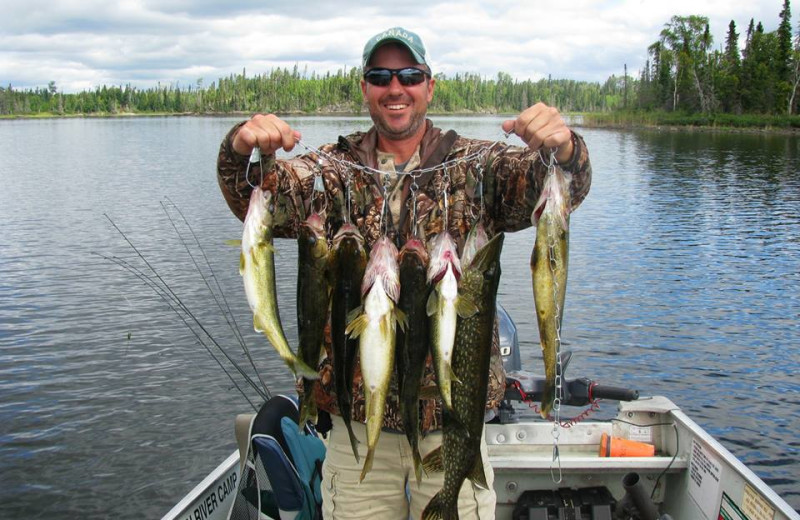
165	286
167	298
226	311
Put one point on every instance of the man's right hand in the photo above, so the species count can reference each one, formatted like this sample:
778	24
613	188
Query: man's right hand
268	132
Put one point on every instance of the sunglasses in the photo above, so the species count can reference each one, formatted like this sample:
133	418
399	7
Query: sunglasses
382	77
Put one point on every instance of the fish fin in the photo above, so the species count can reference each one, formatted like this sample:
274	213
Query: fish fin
357	326
478	475
402	319
241	263
433	301
266	246
367	464
429	392
301	369
258	325
453	375
435	508
237	242
432	462
354	314
465	308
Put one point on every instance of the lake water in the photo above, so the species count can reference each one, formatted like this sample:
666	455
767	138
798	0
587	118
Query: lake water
684	282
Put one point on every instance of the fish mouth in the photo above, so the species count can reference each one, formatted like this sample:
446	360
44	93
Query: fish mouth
448	263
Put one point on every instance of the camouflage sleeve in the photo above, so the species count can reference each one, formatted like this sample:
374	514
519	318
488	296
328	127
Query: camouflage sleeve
514	177
290	181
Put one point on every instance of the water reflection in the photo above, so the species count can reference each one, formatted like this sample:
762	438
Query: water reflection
685	263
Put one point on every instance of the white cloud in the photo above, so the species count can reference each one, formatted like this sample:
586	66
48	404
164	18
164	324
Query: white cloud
84	43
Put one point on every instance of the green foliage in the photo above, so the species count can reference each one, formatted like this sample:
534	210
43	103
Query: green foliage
686	74
284	91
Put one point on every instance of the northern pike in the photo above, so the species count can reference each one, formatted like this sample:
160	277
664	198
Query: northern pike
257	267
443	307
414	347
549	261
348	261
375	328
460	453
313	299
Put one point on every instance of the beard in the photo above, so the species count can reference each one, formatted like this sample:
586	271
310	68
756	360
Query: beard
386	130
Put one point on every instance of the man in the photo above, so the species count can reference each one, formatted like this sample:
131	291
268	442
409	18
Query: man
398	87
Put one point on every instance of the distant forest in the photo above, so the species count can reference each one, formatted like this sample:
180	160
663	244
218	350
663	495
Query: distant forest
684	72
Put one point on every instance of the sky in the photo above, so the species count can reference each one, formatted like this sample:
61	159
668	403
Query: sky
83	44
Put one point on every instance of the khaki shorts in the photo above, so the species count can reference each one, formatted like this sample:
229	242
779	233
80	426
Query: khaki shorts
390	490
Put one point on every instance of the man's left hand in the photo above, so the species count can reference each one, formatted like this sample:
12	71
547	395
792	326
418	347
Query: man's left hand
541	126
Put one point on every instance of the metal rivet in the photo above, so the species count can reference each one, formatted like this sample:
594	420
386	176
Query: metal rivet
501	438
511	486
521	435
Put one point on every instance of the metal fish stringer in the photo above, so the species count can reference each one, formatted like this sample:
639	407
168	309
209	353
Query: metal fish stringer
319	189
414	188
255	157
445	196
551	165
348	203
384	226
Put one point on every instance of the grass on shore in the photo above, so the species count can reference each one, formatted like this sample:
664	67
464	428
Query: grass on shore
682	119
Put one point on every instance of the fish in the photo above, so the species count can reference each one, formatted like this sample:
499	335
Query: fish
459	456
413	349
348	260
476	239
257	267
443	307
549	263
375	325
313	300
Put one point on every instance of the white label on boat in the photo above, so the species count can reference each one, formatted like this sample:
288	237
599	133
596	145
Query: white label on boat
641	433
704	475
755	505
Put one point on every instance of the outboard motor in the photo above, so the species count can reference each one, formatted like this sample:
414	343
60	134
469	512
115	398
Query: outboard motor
509	341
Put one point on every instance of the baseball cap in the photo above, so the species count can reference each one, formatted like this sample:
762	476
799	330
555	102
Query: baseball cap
408	39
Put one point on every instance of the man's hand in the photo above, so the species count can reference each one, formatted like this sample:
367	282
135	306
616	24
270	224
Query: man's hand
269	132
541	126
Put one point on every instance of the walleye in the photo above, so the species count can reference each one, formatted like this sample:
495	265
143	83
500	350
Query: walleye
549	272
413	349
257	267
460	452
348	260
375	329
444	305
313	299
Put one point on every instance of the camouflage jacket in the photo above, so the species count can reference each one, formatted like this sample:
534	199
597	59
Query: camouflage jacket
512	179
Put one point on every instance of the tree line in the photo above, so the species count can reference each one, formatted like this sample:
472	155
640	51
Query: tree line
683	73
291	91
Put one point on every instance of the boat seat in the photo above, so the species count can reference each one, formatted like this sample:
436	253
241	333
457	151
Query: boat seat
282	467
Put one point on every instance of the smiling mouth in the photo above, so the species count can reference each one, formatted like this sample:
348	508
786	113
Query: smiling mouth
396	106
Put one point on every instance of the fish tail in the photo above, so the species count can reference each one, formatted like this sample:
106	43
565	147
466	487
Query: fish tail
301	369
308	408
548	397
367	463
353	440
417	464
438	510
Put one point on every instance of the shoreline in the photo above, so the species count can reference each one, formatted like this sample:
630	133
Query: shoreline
580	120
